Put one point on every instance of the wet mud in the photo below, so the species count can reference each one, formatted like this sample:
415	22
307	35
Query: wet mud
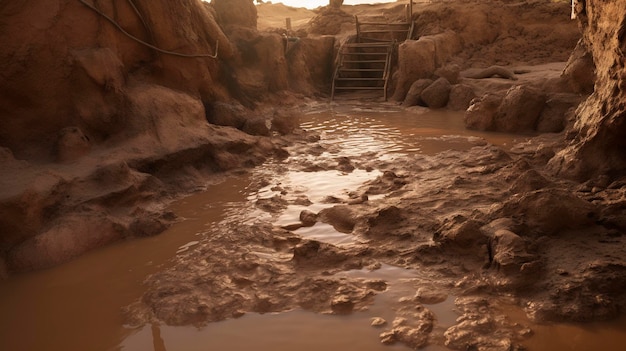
484	226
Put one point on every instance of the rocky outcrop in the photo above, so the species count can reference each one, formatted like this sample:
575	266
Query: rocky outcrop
56	78
600	129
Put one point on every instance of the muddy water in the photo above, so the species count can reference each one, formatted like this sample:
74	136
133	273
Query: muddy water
76	306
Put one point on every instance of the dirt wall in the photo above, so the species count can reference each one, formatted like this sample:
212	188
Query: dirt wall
64	64
85	87
599	136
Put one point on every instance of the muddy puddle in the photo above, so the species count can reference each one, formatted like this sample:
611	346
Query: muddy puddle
77	306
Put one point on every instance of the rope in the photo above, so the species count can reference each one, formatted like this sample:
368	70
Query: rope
116	25
145	25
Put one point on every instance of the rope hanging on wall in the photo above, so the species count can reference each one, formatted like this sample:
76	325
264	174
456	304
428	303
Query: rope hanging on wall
119	27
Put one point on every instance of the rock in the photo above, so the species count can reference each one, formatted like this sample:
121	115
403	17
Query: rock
224	114
341	217
437	94
71	144
508	252
553	118
413	97
429	296
258	126
284	122
378	322
461	96
519	110
551	210
482	111
579	71
308	218
273	204
461	233
344	164
416	60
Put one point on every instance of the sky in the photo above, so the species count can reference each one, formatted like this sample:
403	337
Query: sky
311	4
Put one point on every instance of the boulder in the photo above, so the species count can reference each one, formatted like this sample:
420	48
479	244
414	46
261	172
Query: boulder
520	109
553	118
225	114
285	122
481	113
579	71
461	96
437	94
413	97
257	126
416	60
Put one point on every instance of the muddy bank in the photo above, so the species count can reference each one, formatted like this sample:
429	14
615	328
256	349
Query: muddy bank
485	223
105	119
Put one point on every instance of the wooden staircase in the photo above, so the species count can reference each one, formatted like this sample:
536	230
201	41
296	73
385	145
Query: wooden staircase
365	64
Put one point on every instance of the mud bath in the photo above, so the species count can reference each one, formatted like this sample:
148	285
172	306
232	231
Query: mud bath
77	305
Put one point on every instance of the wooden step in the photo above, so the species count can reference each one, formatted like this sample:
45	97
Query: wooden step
359	88
362	70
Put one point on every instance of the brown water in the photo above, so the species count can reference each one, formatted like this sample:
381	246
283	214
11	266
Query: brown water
76	306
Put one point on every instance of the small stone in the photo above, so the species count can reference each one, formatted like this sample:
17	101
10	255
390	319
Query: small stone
378	322
308	218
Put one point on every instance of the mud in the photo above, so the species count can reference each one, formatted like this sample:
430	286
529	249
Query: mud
535	226
462	220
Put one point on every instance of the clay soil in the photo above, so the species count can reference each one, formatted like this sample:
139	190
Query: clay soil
489	226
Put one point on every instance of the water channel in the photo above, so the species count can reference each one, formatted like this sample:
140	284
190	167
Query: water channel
77	305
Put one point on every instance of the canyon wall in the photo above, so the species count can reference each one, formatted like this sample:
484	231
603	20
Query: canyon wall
598	140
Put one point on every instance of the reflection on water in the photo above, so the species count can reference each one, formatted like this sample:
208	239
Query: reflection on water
393	131
76	306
